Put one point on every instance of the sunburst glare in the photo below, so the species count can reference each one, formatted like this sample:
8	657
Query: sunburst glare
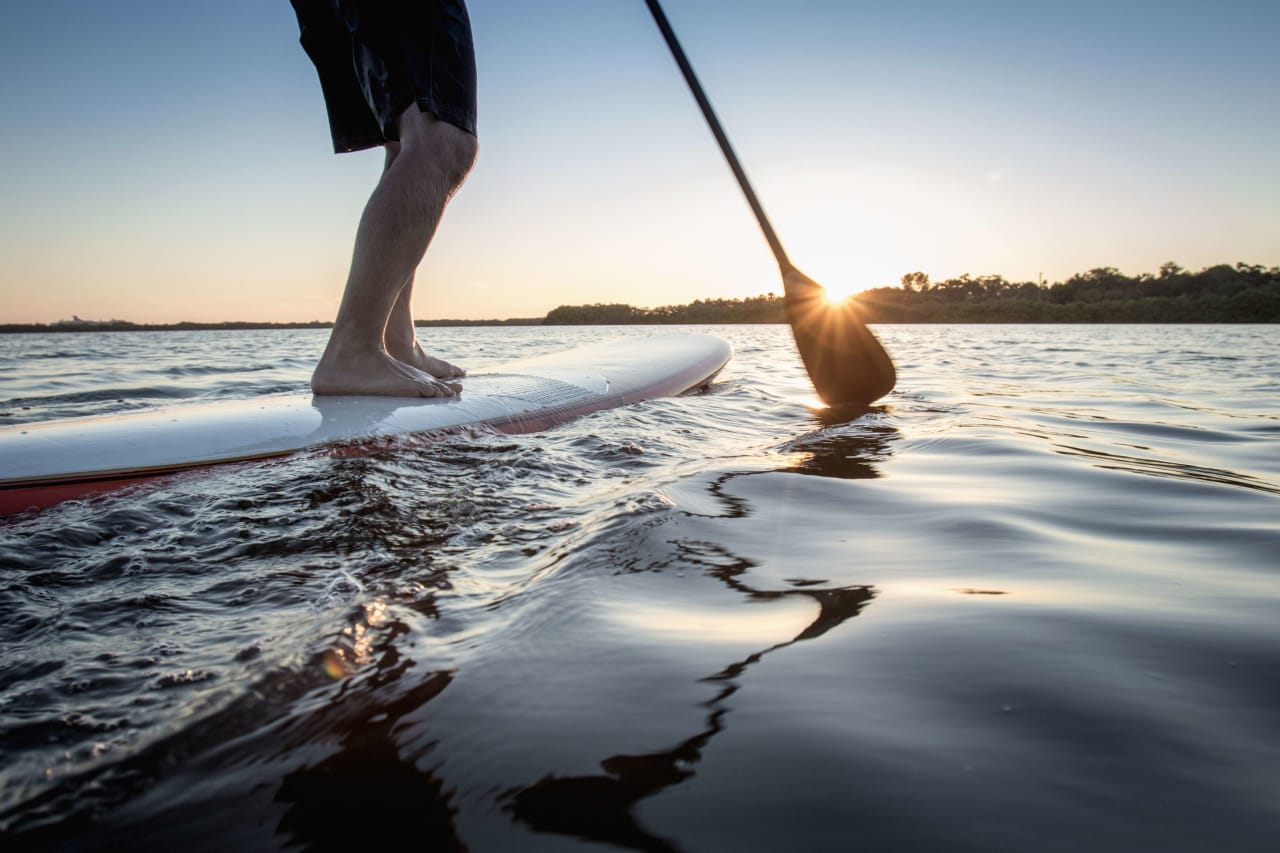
850	232
837	292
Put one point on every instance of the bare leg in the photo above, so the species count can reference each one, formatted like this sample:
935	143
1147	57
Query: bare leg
402	340
401	337
423	171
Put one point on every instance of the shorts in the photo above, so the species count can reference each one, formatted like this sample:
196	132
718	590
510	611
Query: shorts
376	58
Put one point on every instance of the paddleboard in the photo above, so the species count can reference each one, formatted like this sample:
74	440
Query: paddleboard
42	464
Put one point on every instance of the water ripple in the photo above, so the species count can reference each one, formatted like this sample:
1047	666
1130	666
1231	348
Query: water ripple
1035	582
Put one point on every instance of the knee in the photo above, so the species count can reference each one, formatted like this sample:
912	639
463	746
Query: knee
458	154
438	147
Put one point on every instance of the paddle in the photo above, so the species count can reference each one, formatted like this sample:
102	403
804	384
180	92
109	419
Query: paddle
846	363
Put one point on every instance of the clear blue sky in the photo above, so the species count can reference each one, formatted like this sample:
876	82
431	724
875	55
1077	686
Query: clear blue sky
167	160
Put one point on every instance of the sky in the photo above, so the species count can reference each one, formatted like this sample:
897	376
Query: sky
164	161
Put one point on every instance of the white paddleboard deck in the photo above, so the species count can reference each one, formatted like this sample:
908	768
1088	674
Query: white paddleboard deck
45	463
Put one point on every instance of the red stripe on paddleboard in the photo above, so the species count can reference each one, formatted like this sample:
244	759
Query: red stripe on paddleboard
17	498
23	498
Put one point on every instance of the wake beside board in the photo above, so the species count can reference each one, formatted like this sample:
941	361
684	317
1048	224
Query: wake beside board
42	464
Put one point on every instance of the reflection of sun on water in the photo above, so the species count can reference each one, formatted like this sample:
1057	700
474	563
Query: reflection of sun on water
759	624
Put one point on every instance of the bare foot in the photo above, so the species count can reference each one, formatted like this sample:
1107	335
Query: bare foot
437	367
377	374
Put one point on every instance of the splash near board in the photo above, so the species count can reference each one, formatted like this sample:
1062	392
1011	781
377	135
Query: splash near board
42	464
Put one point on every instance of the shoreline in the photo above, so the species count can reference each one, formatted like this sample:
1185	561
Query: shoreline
1221	294
232	326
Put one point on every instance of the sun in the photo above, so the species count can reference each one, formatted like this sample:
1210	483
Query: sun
838	293
851	229
849	257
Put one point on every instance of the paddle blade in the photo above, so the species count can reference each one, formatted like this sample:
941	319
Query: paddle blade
845	361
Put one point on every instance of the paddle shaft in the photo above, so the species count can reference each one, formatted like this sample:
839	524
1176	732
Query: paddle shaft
722	139
843	358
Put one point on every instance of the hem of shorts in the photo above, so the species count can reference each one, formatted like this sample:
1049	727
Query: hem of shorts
459	120
349	144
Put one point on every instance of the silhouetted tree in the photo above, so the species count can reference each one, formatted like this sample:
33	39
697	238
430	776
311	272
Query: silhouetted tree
1244	293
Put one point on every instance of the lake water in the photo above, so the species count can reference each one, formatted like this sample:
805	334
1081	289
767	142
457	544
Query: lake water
1029	602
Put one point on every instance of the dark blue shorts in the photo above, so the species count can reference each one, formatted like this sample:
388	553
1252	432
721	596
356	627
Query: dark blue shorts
375	58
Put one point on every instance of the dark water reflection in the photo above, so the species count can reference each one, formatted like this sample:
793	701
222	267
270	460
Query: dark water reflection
637	631
600	807
845	455
369	776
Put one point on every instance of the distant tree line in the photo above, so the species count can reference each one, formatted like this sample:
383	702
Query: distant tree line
753	309
1245	293
78	325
